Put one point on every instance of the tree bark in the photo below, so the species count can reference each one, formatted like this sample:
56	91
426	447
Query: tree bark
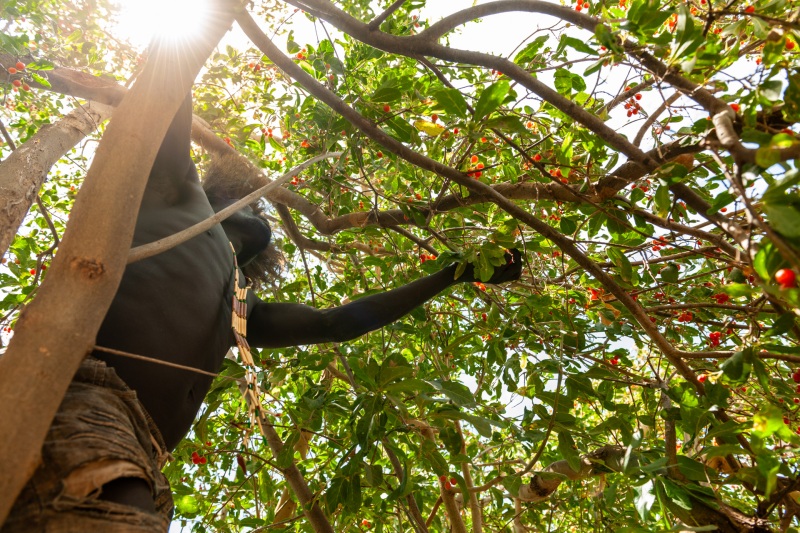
58	328
25	170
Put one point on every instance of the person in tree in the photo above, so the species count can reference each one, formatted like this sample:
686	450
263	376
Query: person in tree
103	456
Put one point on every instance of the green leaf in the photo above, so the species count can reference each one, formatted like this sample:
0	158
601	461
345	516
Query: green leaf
766	156
334	495
567	225
720	201
644	499
187	506
677	494
693	470
568	450
431	454
386	95
662	200
669	273
451	101
507	123
784	218
512	483
40	64
736	369
562	79
404	131
781	326
458	393
767	261
353	501
408	386
40	80
578	45
621	261
491	98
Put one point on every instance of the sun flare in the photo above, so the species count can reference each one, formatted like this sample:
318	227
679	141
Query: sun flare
139	21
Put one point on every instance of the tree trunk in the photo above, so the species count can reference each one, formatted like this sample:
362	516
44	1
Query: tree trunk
58	328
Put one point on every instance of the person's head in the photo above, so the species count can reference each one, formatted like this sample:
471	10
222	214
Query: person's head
225	182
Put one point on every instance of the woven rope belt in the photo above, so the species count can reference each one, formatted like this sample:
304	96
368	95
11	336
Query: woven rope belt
252	393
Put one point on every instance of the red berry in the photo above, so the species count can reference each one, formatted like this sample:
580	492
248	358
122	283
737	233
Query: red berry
749	9
786	278
12	70
33	271
203	460
434	117
735	107
379	154
16	83
366	523
443	479
483	316
703	378
453	481
20	65
386	108
537	157
455	131
789	44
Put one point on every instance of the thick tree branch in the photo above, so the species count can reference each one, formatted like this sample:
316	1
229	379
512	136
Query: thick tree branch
25	170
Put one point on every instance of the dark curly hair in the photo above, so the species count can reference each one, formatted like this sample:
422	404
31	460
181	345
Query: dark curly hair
231	177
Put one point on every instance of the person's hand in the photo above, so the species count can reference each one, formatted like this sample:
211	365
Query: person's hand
510	271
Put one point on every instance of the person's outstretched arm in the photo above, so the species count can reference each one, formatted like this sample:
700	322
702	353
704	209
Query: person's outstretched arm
277	325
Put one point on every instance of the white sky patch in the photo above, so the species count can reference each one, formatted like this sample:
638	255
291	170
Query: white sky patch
141	20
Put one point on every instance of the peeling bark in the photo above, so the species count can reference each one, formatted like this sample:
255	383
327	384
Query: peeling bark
25	170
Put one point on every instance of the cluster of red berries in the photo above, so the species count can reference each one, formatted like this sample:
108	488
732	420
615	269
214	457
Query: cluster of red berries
7	329
197	459
426	257
632	105
18	84
581	5
714	338
476	169
594	294
660	243
480	285
721	298
366	524
448	483
686	316
614	360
